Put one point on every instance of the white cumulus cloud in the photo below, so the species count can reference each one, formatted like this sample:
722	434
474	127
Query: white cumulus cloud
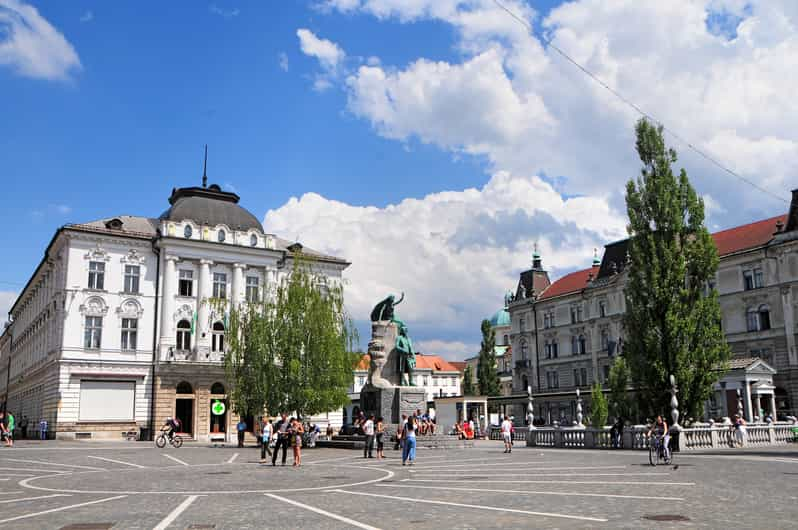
31	46
7	299
454	253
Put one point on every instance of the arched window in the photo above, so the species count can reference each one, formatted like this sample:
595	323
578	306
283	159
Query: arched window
184	388
582	344
187	231
184	335
217	388
524	349
221	235
253	240
217	337
764	317
506	340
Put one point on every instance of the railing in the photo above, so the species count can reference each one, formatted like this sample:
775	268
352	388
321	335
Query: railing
698	436
520	434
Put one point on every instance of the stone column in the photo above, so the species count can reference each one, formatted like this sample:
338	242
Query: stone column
747	402
238	284
168	302
757	407
204	292
773	405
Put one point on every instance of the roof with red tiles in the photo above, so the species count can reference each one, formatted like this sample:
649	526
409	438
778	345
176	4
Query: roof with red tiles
460	365
747	236
423	361
575	281
728	242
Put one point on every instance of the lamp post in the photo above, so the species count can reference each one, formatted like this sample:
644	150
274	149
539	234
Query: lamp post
579	410
530	408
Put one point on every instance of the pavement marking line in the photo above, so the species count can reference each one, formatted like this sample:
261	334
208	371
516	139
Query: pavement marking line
175	459
554	493
323	512
174	514
353	459
422	473
54	464
594	482
9	501
493	465
61	509
36	470
232	458
747	458
476	507
117	462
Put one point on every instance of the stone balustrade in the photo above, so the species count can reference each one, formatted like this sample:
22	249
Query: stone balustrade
699	436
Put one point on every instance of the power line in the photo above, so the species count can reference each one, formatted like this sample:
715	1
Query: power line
637	109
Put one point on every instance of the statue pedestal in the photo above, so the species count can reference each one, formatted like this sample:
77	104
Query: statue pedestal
391	403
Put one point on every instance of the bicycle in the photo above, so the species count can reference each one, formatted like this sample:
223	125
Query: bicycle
161	439
656	452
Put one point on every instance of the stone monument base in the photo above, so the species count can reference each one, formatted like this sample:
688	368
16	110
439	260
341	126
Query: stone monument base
391	403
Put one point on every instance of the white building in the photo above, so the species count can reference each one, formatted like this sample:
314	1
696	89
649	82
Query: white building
113	331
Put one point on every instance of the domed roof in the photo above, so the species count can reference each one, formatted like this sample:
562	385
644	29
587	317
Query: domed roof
210	206
500	318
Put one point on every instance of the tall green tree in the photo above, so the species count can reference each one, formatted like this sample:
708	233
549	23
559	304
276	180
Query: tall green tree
487	375
618	383
468	381
672	321
293	350
598	406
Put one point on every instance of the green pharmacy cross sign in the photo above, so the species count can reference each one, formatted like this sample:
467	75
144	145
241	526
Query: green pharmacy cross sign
217	408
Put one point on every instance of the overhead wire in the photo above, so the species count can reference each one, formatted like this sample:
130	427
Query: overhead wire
637	108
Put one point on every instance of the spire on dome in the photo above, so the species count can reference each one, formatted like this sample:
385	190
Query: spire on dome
536	261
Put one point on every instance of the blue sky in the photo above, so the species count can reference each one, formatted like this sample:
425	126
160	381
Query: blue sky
463	133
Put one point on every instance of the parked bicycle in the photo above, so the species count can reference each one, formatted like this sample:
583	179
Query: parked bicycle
657	452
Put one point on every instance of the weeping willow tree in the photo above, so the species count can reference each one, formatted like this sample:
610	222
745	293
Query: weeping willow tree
292	351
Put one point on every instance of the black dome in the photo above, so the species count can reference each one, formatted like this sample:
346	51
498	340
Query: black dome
210	206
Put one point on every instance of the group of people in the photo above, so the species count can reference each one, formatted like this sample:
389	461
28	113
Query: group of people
374	430
9	426
465	430
284	432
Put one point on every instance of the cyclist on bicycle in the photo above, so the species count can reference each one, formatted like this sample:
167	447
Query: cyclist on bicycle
171	426
660	430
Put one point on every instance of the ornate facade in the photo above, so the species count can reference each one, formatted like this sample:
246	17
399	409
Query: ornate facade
114	331
572	328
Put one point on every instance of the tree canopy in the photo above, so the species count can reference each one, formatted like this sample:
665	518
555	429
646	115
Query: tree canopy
468	381
292	351
487	377
672	319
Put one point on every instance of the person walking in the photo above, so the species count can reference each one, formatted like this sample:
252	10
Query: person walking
241	427
297	430
281	431
400	433
23	427
266	430
409	439
507	434
43	429
9	425
380	428
368	430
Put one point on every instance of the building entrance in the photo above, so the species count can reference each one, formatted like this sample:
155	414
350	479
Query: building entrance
184	411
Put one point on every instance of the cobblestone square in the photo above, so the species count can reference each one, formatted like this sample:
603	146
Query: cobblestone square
134	485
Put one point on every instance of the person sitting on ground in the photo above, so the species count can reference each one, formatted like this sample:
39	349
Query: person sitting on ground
468	431
457	429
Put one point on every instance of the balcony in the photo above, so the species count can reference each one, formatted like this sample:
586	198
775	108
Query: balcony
523	363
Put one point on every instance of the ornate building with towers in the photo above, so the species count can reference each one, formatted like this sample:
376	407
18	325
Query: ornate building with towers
113	332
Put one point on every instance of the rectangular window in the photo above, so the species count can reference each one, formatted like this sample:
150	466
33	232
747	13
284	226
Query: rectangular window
426	380
606	370
748	280
555	347
602	309
583	373
132	278
556	377
129	333
253	289
545	320
573	315
361	380
759	279
107	400
576	377
522	324
186	287
219	285
574	345
93	333
96	275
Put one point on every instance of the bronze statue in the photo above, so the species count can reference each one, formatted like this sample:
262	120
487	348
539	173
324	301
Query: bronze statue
406	358
384	310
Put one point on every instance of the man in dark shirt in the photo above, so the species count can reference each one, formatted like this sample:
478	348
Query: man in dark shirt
282	432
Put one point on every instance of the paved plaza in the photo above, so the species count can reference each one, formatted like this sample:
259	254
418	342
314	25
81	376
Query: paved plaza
134	485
